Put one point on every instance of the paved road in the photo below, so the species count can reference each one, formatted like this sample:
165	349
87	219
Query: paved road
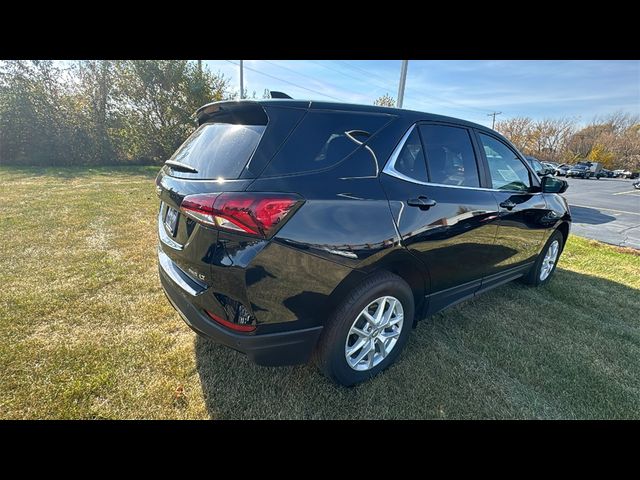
607	210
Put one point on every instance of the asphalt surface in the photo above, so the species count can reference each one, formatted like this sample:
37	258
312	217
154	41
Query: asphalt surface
607	210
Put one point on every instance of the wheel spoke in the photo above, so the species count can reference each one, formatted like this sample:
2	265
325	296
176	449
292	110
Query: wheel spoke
383	347
363	353
395	320
380	311
358	331
387	335
370	320
392	306
372	356
357	346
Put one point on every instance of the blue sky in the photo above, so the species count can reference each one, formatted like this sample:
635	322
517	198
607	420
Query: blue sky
468	89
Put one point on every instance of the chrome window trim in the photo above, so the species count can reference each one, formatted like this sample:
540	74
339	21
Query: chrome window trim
389	169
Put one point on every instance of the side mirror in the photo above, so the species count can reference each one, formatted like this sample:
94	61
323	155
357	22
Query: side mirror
554	185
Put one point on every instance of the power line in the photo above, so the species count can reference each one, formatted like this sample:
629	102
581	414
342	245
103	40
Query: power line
287	81
493	114
387	88
443	104
451	103
353	66
310	77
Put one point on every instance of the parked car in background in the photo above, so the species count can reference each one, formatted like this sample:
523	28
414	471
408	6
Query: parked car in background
561	170
604	173
636	185
622	173
538	167
594	167
634	175
579	171
296	230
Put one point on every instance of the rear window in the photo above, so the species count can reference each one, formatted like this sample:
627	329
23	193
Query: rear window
323	139
218	150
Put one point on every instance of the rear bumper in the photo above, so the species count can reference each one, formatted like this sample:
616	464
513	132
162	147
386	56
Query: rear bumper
272	349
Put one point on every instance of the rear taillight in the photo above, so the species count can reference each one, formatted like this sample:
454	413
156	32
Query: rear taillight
258	214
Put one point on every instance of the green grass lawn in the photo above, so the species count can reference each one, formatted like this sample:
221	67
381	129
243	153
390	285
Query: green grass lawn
85	330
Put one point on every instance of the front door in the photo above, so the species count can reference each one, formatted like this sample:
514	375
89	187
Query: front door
521	225
443	215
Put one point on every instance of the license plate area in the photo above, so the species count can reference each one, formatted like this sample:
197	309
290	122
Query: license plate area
171	220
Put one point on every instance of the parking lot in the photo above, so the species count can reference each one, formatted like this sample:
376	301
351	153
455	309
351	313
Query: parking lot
607	210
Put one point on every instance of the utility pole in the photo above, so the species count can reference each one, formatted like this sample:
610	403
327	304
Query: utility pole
241	80
493	123
200	67
403	81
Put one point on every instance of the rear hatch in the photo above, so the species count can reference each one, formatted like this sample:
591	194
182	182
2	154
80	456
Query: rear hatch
228	150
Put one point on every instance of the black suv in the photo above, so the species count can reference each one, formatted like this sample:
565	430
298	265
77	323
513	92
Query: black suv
294	229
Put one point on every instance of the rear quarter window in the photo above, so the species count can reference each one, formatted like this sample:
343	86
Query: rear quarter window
323	139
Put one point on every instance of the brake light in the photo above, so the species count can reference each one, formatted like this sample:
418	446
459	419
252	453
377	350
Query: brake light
258	214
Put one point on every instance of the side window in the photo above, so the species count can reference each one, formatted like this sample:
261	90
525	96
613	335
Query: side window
450	156
507	170
323	139
410	162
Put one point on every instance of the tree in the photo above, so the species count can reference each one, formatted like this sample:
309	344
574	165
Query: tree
157	101
517	130
100	112
385	101
95	97
545	139
37	114
600	154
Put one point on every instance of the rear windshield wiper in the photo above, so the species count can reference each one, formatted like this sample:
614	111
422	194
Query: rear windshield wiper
180	166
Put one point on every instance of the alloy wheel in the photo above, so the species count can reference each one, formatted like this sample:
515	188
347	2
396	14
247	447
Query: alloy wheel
374	333
549	260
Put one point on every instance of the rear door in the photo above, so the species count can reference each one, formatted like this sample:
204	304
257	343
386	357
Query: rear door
444	215
522	207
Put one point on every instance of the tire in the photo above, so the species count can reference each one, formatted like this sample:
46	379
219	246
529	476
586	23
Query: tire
534	275
331	352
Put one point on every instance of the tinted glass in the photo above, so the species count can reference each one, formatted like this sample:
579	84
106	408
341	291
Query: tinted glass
320	141
507	171
410	161
536	165
218	150
450	156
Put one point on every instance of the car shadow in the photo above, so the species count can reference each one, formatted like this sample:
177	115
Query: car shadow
591	216
568	349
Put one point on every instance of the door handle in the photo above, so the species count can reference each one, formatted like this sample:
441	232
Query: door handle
508	204
422	202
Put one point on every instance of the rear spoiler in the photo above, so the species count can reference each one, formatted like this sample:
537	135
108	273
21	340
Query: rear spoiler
234	111
242	112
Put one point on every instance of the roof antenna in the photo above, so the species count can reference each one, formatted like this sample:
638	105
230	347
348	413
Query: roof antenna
275	94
